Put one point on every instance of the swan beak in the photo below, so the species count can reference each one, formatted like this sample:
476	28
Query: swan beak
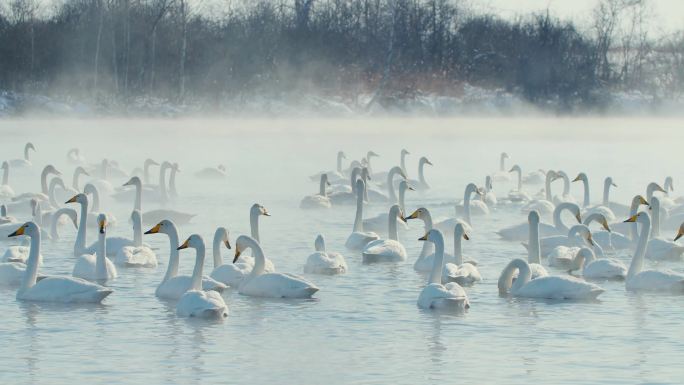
590	239
680	232
613	184
237	254
154	230
129	183
102	224
18	232
227	243
266	213
606	226
423	238
579	217
642	201
414	215
631	219
403	218
658	188
184	245
466	237
72	200
577	178
410	188
327	183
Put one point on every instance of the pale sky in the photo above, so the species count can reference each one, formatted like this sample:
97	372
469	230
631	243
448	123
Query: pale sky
668	15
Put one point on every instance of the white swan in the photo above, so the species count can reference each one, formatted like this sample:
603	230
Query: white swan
534	177
421	184
53	289
375	195
114	244
661	249
230	274
560	249
387	250
95	267
136	255
74	157
333	175
402	164
520	232
93	193
379	222
533	249
475	206
6	191
359	238
462	273
436	295
607	238
216	173
173	286
549	287
518	195
502	175
586	202
272	285
565	196
543	206
157	215
26	161
320	200
595	269
346	194
488	196
649	280
324	262
4	217
630	229
196	302
151	192
55	221
43	194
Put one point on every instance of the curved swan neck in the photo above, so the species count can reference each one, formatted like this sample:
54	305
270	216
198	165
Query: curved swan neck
358	219
466	202
427	246
172	182
533	246
638	260
101	254
502	162
31	273
162	182
354	175
606	191
438	264
506	278
258	254
79	245
392	226
402	161
91	189
390	183
340	156
51	191
322	185
199	266
26	152
403	186
216	246
557	220
421	168
43	180
172	269
458	250
655	217
518	171
254	223
138	194
566	182
587	198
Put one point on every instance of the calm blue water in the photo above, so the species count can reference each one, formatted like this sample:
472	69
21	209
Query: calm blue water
362	327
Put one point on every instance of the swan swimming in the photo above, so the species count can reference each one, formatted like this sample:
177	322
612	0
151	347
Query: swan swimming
324	262
320	200
595	269
463	273
436	295
137	254
96	267
359	238
387	250
26	161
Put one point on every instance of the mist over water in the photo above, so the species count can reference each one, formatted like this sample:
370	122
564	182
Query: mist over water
363	326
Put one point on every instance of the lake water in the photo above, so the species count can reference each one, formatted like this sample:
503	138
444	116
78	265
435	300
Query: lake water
362	327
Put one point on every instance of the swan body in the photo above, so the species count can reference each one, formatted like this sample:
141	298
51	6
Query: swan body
520	232
320	200
387	250
271	285
576	237
136	254
53	289
11	273
379	223
595	269
502	175
215	173
435	295
24	162
359	238
336	175
324	262
6	191
465	274
96	266
197	302
534	177
518	195
421	184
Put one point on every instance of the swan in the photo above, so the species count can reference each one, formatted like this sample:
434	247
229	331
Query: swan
449	223
387	250
272	285
173	286
533	248
475	206
113	245
592	268
19	253
534	177
173	193
157	215
586	203
402	164
520	232
230	274
96	266
378	223
103	183
607	239
74	157
566	196
255	212
369	155
359	238
543	206
333	175
55	220
425	260
421	184
53	288
324	262
518	195
320	200
67	192
12	273
25	162
43	194
136	255
462	273
342	195
4	218
649	280
488	196
436	295
377	196
196	302
658	248
549	287
91	190
6	191
626	228
560	249
149	191
216	173
502	175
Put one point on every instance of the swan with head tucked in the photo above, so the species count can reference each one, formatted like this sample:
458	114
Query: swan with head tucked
549	287
271	285
436	295
26	161
379	222
196	302
639	279
114	244
359	238
518	195
502	175
387	250
464	274
6	191
173	286
324	262
520	232
53	288
96	267
136	255
320	200
595	269
660	249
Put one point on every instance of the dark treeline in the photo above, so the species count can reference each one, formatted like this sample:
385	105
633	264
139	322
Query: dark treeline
117	50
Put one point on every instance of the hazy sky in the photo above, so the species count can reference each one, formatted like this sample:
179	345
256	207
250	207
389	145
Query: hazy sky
668	14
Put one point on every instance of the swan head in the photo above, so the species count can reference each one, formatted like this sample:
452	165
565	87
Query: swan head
175	167
134	181
533	216
28	229
222	235
342	155
425	160
50	169
242	243
680	232
472	188
640	217
220	167
163	227
81	171
639	200
324	179
319	243
609	181
459	231
601	219
102	222
79	198
583	232
194	241
29	146
5	165
90	188
420	213
395	211
150	162
580	177
403	186
668	184
553	175
505	155
433	236
258	209
371	154
515	168
583	257
653	186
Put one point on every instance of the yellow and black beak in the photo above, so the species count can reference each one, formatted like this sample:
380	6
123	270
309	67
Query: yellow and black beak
18	232
579	217
643	201
102	226
414	215
577	178
411	188
590	239
466	237
72	200
403	218
237	254
631	219
154	230
184	245
606	226
679	234
227	243
266	213
423	238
